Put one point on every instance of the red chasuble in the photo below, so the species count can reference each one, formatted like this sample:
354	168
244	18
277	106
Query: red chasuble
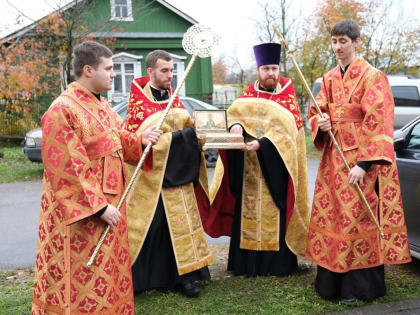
342	237
83	149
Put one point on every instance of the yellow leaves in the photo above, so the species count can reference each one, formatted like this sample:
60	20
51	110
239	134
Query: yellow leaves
219	71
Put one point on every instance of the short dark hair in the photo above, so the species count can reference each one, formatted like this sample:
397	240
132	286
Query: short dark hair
153	56
346	27
88	53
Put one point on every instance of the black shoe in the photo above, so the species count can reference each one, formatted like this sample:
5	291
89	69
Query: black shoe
164	290
349	301
189	289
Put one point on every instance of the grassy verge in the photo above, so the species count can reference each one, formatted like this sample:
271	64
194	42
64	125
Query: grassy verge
16	167
233	295
311	151
16	292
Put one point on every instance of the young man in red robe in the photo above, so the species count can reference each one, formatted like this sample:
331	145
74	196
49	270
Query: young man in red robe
260	196
357	105
83	150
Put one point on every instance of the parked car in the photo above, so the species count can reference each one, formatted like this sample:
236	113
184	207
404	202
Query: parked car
407	149
32	145
406	92
32	142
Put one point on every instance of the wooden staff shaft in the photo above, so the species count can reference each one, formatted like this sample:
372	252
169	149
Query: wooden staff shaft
330	133
142	159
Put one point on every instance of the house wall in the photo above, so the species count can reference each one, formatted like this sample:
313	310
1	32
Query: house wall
152	17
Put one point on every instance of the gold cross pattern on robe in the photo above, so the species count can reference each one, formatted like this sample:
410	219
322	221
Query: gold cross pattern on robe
339	112
338	93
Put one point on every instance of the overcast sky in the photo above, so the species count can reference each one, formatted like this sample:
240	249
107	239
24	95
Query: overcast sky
232	19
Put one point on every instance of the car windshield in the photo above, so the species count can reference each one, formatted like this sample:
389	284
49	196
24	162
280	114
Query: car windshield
414	142
121	110
191	105
316	88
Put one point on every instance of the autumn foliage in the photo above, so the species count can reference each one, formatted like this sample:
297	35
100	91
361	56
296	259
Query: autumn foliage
36	66
29	72
386	44
219	69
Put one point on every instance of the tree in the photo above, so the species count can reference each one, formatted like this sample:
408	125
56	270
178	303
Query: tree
28	71
36	65
219	71
279	15
386	44
240	72
389	44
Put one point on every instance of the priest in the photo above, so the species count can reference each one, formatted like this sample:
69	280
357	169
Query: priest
259	196
168	245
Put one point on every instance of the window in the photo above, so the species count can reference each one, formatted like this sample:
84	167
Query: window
126	68
414	142
406	95
121	10
178	72
125	74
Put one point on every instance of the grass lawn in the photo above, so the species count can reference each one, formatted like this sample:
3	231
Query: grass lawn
231	295
311	151
16	167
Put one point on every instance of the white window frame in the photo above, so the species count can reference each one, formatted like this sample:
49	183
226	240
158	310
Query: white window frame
179	61
129	16
123	58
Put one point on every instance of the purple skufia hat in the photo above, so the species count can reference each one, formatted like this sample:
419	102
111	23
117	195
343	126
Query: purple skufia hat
267	54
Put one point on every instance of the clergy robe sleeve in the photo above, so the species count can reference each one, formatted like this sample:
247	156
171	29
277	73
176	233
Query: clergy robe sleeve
67	166
376	142
274	172
133	150
134	115
365	165
184	159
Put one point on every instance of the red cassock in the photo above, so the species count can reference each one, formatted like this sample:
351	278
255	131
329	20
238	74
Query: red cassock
83	150
342	236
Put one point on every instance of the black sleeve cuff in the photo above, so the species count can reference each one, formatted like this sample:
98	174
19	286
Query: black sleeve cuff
365	165
261	141
243	129
100	212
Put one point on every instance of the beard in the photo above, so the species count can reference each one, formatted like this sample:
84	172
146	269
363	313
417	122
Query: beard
162	85
269	83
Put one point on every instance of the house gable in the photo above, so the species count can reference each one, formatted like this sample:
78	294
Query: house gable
149	16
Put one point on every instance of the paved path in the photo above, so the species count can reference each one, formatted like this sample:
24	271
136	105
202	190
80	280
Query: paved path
19	219
407	307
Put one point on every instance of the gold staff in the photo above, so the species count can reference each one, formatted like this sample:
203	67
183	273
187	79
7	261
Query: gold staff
340	152
199	41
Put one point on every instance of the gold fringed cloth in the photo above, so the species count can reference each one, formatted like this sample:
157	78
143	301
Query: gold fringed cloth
83	149
181	203
279	118
342	236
